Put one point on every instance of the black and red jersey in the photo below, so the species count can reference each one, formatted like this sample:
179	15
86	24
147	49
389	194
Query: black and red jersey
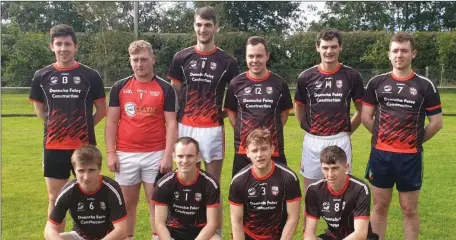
401	105
326	97
142	126
339	209
204	76
68	95
264	199
258	103
187	203
93	213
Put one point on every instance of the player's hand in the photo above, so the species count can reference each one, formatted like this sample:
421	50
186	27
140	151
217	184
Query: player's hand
166	165
113	162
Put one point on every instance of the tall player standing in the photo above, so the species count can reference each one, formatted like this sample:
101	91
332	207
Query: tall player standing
63	95
141	128
399	100
322	99
257	98
200	74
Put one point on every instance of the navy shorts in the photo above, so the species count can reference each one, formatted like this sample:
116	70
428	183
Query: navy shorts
326	236
57	163
241	160
388	168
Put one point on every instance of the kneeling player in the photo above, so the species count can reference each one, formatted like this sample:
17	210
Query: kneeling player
342	200
95	202
264	196
187	200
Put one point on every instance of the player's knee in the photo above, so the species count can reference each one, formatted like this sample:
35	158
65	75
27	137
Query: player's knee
381	208
215	237
409	211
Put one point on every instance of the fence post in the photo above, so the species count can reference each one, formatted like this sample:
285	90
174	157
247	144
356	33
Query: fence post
427	72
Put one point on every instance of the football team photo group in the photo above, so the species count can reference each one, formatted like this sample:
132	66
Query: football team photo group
165	142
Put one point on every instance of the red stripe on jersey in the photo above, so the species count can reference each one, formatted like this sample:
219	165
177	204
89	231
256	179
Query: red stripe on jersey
33	100
287	110
388	148
254	236
329	73
213	205
119	220
362	217
173	79
359	100
264	177
294	200
249	76
56	66
310	216
100	183
298	102
98	99
235	203
205	53
158	203
367	104
188	184
54	222
402	79
229	110
433	108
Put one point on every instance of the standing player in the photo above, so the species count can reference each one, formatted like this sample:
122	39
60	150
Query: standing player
188	199
399	100
141	128
200	74
322	99
257	98
342	200
63	95
264	196
95	202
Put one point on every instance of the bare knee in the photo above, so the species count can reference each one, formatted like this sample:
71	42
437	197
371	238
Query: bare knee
381	207
409	211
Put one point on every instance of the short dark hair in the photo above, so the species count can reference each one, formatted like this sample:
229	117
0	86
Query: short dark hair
187	141
259	136
333	155
207	13
63	30
403	37
254	40
87	154
329	34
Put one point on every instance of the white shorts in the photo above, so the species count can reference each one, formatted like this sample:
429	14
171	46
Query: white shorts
73	235
211	140
137	167
311	148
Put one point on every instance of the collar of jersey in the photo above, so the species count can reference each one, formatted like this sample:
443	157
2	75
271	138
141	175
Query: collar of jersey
94	191
75	65
258	79
332	72
403	79
347	180
190	184
266	176
133	78
205	53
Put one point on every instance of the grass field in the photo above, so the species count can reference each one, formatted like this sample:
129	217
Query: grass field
24	199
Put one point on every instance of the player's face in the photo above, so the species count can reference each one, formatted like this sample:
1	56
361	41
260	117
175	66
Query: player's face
329	51
256	58
401	55
64	50
142	63
335	174
204	29
186	157
260	154
88	176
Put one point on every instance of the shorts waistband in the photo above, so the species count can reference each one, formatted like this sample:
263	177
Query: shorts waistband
339	135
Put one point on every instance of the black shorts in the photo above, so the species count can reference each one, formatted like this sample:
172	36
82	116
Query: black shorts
241	160
187	234
385	169
326	236
57	163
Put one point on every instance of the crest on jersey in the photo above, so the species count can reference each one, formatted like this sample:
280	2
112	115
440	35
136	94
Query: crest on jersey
275	190
318	84
387	88
80	206
247	90
154	93
251	191
54	80
130	109
338	83
197	196
77	79
102	206
269	90
176	195
326	206
213	65
413	91
193	63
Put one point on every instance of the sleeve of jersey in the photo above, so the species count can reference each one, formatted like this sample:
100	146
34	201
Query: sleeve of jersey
311	204
235	196
301	91
170	100
175	71
36	93
358	88
370	97
160	196
362	208
432	103
212	194
114	95
60	209
117	209
230	99
293	191
285	102
98	91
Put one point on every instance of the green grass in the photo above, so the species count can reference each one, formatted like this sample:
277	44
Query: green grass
24	200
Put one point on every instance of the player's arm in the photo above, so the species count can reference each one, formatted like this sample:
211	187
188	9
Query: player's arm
367	116
161	214
434	125
119	232
299	111
237	218
212	216
284	117
171	136
112	121
39	110
310	228
177	85
356	119
100	110
51	231
232	117
361	229
293	212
